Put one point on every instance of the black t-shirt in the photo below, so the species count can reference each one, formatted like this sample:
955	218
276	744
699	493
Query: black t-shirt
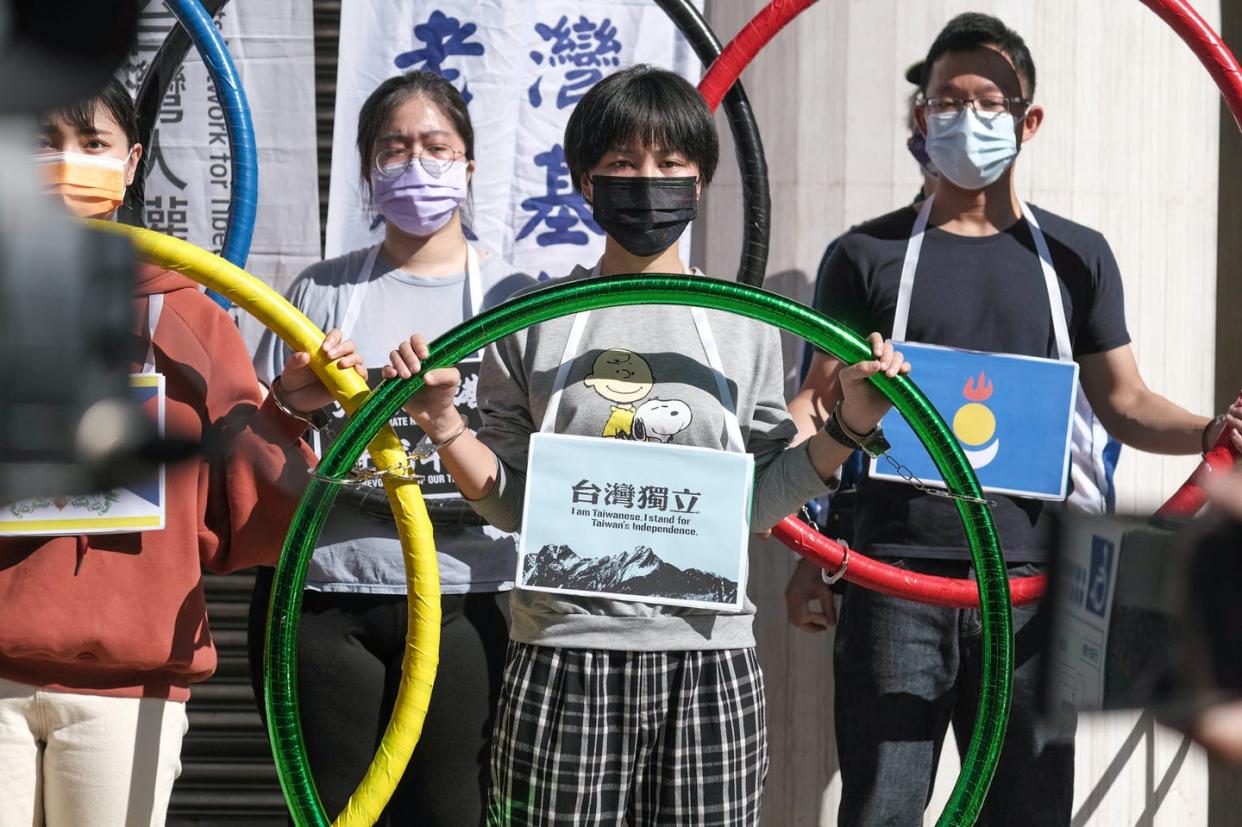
983	294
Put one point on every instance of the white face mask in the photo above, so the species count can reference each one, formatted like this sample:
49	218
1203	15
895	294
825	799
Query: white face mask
969	150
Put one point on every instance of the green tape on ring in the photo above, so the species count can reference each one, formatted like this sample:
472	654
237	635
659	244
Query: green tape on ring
981	757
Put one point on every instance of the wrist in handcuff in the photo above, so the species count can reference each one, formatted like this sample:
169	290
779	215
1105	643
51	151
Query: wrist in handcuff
449	435
317	419
839	412
871	443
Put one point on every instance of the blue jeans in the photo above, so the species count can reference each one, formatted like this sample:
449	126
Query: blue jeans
905	672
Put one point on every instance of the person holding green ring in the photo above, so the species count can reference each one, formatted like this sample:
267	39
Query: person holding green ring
415	145
614	710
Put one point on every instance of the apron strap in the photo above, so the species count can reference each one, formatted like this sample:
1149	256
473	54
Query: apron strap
914	248
360	283
568	355
155	308
708	338
474	282
1060	326
474	287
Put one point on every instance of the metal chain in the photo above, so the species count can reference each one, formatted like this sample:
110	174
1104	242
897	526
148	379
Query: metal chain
910	477
360	475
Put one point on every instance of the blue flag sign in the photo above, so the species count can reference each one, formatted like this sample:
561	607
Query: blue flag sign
1012	416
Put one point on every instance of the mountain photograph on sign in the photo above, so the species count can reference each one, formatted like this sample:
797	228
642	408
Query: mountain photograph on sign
638	572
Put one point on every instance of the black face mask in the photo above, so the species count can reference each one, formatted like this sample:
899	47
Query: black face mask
644	215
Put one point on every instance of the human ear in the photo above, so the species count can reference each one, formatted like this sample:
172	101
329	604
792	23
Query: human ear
1031	122
920	120
131	166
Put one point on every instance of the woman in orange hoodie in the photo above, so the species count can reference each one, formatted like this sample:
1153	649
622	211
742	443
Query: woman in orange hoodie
101	635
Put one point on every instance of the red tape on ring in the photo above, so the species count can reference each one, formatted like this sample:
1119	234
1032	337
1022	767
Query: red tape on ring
871	574
726	69
1188	499
1207	46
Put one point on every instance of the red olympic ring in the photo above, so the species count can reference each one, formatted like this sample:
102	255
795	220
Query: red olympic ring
1188	499
945	591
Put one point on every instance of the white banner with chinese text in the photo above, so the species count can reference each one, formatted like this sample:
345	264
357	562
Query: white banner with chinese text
188	161
521	66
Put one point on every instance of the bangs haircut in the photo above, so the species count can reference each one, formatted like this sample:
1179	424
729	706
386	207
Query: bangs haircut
971	31
642	106
115	100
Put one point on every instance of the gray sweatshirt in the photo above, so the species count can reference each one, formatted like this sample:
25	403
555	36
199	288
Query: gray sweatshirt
661	342
357	552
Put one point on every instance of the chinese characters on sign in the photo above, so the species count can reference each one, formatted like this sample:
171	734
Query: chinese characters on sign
560	208
627	495
162	210
635	521
442	37
521	66
580	49
187	164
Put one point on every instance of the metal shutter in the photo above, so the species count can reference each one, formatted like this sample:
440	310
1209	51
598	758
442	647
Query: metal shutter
227	775
327	37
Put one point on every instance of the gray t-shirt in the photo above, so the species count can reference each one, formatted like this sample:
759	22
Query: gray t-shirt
515	385
358	552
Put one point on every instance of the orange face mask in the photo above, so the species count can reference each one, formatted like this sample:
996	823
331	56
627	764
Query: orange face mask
92	186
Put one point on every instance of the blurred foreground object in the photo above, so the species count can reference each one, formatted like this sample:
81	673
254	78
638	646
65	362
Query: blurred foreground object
1146	616
56	53
67	423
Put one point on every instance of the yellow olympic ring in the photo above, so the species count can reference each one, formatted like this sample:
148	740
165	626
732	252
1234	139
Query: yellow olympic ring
422	645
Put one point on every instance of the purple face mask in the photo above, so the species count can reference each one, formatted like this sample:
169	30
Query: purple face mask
417	201
918	148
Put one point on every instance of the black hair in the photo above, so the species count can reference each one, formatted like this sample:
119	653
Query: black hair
644	104
116	100
972	30
389	96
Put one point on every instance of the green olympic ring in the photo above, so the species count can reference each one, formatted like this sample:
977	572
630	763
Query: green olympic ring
979	763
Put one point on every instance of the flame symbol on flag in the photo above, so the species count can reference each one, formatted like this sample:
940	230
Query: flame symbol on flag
980	392
974	424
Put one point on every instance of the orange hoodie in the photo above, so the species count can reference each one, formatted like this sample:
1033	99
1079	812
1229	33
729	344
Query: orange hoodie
123	614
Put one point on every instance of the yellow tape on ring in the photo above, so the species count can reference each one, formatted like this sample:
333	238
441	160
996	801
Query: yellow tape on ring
422	573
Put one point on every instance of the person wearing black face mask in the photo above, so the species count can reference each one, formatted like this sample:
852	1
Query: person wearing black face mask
645	216
614	710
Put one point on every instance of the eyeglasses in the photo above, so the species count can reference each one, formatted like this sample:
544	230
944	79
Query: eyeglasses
435	160
987	107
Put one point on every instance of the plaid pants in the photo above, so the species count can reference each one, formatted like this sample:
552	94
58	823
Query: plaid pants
597	737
